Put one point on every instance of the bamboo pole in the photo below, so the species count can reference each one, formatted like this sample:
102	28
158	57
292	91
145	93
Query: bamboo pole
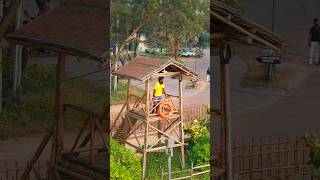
57	140
1	58
145	151
227	119
128	95
240	29
181	124
92	140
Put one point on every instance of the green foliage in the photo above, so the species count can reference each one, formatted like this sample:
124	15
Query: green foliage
199	149
121	95
124	165
178	21
313	142
37	78
35	112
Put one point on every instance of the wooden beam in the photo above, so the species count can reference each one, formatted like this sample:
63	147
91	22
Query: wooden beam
181	125
128	95
242	30
146	134
218	35
57	143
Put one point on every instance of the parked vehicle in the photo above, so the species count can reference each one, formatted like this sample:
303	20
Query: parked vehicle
187	53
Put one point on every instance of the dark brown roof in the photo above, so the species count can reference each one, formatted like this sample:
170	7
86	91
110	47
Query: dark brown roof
78	27
142	68
225	19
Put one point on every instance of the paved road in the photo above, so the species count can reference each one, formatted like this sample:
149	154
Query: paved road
298	112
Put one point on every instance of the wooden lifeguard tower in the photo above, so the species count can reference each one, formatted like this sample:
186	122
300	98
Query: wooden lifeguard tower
74	28
140	114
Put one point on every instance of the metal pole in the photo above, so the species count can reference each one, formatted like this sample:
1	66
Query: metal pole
169	167
169	152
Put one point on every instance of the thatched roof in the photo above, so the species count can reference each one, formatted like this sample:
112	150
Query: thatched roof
230	24
77	27
143	68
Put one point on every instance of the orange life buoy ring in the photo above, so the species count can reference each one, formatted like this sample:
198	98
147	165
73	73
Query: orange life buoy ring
165	109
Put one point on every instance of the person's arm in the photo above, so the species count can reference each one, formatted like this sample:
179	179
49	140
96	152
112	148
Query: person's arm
164	92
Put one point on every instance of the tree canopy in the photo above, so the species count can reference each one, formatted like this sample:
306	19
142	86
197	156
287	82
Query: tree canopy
165	23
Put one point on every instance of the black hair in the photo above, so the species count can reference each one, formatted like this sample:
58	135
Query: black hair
315	20
160	78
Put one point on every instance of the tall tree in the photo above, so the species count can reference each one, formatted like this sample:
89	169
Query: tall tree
179	21
128	17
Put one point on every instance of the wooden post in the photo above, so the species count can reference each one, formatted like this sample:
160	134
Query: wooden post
18	57
222	120
181	124
128	96
1	57
226	114
145	151
92	140
57	144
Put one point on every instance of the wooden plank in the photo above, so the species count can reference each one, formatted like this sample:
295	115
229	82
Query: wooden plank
80	134
59	104
74	174
128	95
103	137
81	109
92	141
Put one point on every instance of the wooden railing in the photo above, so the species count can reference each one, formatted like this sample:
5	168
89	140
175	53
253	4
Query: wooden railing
93	123
14	170
190	113
187	173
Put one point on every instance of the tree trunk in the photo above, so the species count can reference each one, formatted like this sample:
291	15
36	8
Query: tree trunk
136	45
175	48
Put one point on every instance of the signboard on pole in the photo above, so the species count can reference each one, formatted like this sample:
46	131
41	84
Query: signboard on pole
268	60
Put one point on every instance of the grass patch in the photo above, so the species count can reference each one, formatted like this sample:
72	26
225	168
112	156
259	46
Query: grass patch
158	160
35	113
121	95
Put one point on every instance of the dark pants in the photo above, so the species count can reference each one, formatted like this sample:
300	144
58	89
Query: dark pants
156	101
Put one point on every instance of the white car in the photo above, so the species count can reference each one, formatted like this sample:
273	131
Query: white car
188	53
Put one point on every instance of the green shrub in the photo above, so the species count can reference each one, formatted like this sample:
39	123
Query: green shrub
124	165
313	142
147	51
199	148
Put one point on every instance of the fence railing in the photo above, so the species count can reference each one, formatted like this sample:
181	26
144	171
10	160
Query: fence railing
284	158
190	113
14	170
187	173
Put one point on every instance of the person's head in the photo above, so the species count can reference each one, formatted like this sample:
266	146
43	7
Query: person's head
316	22
160	79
